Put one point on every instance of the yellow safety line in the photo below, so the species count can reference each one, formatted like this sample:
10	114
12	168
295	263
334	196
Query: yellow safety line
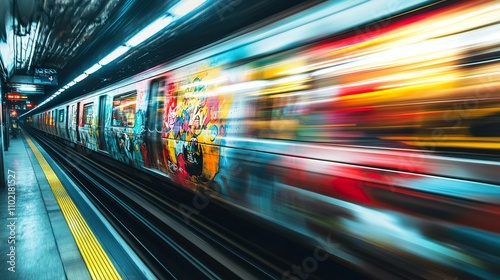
97	261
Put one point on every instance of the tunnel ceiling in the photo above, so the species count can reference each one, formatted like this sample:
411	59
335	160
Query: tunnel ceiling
72	35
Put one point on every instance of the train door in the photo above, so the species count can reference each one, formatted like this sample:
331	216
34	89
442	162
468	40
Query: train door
66	125
154	123
87	127
72	124
46	122
101	121
54	122
78	122
59	123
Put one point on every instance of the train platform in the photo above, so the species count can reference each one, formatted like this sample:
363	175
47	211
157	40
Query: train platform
50	229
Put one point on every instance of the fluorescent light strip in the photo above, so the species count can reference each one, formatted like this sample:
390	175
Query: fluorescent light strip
150	30
184	7
94	68
114	55
81	77
27	88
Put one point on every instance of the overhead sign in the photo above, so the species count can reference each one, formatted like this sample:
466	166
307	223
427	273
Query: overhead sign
45	76
32	80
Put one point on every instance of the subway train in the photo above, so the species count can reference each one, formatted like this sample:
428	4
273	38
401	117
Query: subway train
376	138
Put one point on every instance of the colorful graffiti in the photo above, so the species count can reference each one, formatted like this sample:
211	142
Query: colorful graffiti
194	125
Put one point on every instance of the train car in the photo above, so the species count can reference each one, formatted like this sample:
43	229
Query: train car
344	137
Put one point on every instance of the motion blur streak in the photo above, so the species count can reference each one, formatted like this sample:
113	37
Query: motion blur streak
383	138
432	79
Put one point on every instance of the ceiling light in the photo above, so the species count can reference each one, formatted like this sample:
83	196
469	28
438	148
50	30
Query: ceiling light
94	68
149	31
114	55
26	88
81	77
184	7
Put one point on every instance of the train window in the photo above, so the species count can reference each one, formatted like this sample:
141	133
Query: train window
87	114
61	115
124	109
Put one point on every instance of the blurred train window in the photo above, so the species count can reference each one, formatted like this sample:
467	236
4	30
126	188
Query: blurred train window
277	112
156	108
124	109
265	109
277	116
61	115
87	114
481	55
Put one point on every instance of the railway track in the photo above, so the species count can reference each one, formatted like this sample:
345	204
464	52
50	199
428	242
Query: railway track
182	234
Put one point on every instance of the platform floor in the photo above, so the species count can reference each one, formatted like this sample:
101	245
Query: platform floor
35	239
